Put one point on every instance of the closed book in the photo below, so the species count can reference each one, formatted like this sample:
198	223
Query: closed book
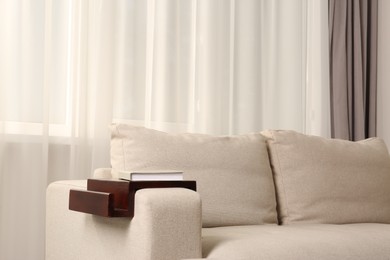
163	175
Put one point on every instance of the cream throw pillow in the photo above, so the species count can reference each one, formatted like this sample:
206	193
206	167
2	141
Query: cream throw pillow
331	181
233	173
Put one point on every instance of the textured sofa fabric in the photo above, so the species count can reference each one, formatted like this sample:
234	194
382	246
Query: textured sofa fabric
298	242
333	200
166	226
331	181
233	173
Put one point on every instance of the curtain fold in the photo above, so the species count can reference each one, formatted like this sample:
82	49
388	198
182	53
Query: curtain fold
70	68
353	68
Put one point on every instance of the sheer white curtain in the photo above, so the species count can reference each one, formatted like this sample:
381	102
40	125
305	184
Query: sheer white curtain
70	68
223	66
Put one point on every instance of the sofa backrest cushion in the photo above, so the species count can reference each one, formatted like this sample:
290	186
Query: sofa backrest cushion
233	173
332	181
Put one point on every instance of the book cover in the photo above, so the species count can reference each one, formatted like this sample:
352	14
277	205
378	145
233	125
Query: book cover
155	175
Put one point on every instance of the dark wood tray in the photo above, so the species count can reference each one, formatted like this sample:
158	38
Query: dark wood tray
115	198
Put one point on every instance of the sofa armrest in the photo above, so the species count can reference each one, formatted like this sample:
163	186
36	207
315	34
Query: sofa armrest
166	225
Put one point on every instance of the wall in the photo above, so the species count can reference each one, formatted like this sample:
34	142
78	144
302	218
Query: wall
384	71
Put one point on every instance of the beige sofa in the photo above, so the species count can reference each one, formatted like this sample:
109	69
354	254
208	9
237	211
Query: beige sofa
269	195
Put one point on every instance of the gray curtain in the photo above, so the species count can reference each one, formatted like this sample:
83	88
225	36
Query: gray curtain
353	67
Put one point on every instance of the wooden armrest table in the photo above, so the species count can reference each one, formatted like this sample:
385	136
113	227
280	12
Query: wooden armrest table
115	198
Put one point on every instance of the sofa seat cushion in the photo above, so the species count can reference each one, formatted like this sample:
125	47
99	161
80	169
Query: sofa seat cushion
233	173
300	242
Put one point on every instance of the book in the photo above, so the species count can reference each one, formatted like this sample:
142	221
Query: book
164	175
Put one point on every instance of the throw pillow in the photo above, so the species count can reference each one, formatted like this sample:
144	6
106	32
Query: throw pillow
332	181
233	173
